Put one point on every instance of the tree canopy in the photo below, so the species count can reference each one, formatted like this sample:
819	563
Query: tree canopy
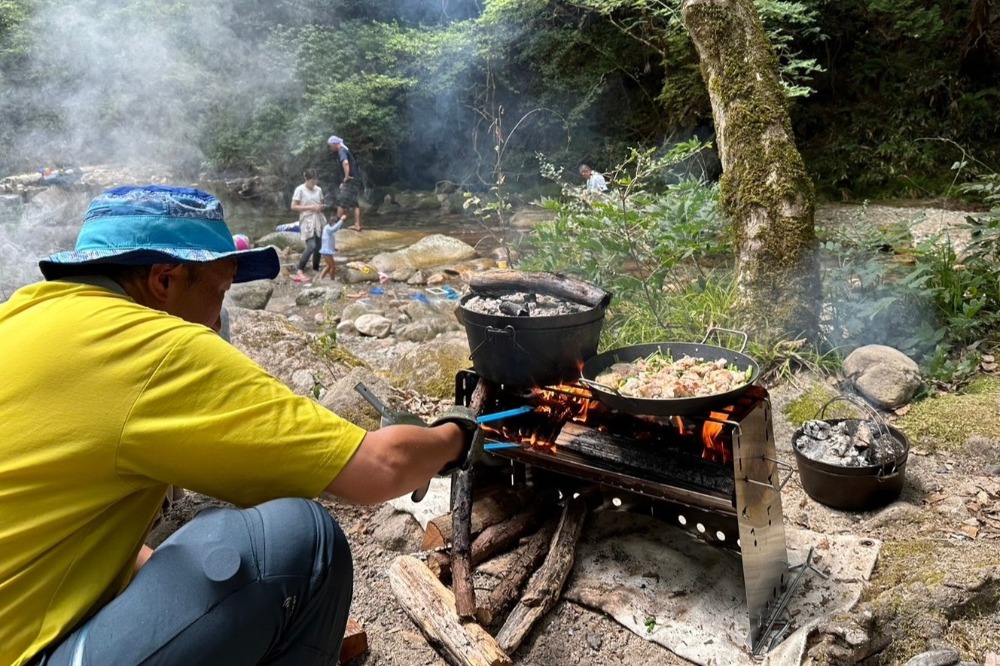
883	95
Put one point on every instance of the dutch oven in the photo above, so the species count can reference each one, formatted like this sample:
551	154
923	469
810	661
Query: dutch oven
610	396
855	487
532	351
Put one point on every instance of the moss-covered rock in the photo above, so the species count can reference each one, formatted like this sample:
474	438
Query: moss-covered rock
947	422
431	368
811	404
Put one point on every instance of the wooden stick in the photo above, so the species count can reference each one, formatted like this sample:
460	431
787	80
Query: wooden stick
461	548
355	641
461	513
545	586
430	605
499	600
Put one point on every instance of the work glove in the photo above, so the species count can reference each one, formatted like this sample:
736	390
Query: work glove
465	418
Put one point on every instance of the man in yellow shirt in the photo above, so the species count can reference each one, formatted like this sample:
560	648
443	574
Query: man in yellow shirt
117	386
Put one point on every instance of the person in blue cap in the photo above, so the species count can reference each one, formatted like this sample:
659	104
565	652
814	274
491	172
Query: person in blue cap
118	387
349	191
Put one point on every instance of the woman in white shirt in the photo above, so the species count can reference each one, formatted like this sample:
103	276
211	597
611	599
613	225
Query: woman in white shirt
307	201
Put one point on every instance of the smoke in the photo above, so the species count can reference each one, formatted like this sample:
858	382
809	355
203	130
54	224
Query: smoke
125	85
129	84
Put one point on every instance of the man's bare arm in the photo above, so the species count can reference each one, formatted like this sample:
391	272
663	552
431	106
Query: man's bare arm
396	460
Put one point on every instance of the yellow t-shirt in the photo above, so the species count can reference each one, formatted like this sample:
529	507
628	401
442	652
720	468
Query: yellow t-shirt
104	404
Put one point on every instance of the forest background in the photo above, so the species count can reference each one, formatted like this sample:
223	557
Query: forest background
888	99
884	95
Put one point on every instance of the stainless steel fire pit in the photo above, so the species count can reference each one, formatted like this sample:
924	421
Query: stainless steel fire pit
712	473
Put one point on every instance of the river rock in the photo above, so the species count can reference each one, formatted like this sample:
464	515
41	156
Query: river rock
354	310
313	296
886	376
283	240
347	328
941	657
356	272
430	367
528	217
373	325
417	331
251	295
428	252
417	279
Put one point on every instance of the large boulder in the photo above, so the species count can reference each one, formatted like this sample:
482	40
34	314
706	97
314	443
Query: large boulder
345	400
283	240
428	252
251	295
883	375
284	350
430	368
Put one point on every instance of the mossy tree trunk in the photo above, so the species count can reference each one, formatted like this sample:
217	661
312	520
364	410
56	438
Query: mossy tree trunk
765	188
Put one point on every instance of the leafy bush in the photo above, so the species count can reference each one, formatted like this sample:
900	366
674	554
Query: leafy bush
662	254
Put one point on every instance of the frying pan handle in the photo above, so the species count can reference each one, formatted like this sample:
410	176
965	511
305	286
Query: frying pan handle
713	329
599	386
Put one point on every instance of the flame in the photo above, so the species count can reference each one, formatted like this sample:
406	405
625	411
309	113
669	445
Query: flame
712	439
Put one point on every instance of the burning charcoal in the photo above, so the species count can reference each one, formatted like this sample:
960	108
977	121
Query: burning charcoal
816	429
513	309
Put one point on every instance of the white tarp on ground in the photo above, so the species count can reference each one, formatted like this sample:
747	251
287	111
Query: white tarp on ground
688	595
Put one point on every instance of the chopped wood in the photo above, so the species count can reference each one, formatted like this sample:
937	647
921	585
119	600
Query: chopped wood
355	641
461	546
500	599
552	284
545	586
486	511
431	606
493	540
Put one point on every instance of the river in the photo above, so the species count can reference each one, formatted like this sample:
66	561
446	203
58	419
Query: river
409	227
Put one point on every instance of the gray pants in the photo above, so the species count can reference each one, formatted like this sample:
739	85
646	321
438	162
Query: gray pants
312	250
270	584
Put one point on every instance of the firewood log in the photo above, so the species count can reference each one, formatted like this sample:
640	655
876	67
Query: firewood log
552	284
500	599
431	606
461	513
493	540
545	586
487	511
461	546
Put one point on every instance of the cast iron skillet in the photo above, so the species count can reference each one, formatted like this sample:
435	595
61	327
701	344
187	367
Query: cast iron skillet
665	406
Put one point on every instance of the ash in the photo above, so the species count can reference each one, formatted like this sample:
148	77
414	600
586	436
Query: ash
523	304
849	443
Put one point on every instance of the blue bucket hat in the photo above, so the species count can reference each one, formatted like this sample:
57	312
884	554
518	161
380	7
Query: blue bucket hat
156	224
334	140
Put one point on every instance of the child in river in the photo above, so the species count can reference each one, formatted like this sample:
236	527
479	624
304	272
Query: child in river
329	247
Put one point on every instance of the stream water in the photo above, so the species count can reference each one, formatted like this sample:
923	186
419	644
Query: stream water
410	227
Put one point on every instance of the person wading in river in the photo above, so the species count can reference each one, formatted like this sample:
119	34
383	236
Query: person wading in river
350	181
118	387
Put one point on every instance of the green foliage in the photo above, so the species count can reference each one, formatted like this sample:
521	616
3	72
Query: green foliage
661	253
896	73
